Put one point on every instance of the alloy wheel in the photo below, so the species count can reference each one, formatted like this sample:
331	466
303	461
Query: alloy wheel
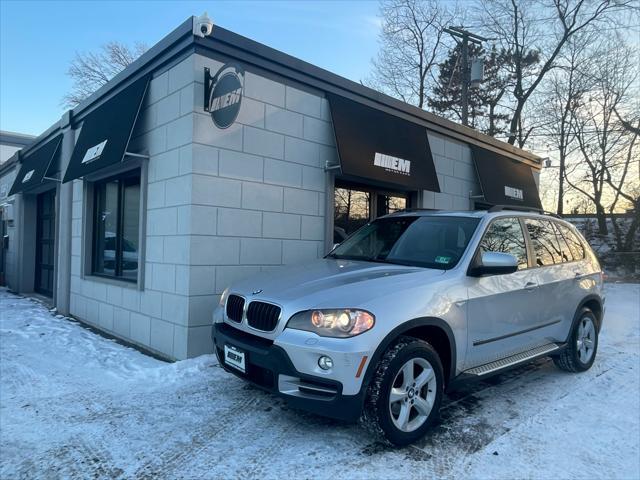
412	395
586	339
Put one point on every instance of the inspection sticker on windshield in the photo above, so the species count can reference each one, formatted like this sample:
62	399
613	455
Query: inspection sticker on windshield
442	259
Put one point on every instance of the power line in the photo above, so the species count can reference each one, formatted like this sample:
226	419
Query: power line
553	134
628	27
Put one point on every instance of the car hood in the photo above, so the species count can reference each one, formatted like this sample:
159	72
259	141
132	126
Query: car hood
331	283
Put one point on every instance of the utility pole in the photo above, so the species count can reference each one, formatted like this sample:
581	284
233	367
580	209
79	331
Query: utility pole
466	37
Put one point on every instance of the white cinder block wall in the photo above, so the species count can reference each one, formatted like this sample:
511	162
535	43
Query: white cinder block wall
456	175
221	205
259	186
155	314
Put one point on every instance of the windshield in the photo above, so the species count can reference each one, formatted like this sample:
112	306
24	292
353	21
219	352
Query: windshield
425	241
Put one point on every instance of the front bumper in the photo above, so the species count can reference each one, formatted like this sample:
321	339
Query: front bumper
269	367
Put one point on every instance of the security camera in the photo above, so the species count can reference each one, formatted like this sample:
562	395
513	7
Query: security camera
202	26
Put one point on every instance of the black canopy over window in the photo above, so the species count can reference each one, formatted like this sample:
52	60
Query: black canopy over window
381	148
106	132
36	165
505	181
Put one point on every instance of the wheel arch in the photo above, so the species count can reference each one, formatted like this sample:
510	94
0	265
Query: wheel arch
594	303
432	329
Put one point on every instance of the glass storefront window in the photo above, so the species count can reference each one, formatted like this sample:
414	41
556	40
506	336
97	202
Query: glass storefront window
352	211
390	204
356	206
116	227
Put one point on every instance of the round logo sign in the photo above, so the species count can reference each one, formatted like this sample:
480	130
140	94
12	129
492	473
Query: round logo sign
226	95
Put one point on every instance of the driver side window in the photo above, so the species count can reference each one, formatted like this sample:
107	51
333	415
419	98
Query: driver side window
505	235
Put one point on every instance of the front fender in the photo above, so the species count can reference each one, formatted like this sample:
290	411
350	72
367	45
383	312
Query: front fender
402	329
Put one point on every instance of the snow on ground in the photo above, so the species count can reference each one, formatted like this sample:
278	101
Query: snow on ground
76	405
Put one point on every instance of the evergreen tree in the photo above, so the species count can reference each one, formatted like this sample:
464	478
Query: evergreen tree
485	112
446	96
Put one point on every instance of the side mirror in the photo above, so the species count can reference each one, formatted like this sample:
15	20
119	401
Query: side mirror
493	263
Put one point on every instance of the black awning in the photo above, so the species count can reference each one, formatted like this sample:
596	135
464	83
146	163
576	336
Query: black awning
106	131
36	166
381	148
505	181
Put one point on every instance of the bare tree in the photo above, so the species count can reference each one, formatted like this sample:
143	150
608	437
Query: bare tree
563	95
91	70
526	26
411	45
602	141
617	177
627	124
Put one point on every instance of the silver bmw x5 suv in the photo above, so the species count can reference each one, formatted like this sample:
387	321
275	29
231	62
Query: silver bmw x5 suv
412	305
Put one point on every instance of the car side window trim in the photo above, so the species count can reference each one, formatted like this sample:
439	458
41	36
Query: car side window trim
527	240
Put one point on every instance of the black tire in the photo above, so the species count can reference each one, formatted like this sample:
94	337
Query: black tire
376	415
569	360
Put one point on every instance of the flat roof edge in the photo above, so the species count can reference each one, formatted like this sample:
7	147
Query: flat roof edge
15	139
288	62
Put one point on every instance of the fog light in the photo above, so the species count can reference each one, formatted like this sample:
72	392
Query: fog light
325	362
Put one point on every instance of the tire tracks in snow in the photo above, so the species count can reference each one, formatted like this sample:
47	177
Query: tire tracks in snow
180	454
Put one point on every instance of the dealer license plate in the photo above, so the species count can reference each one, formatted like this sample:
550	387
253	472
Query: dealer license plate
235	358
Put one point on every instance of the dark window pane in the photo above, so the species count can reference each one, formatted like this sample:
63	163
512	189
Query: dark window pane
566	254
545	243
117	207
351	212
576	248
106	227
506	236
130	229
389	204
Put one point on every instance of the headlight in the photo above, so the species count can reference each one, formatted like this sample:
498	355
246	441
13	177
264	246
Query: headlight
333	323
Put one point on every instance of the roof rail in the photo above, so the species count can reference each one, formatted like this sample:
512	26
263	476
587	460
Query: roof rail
500	208
516	208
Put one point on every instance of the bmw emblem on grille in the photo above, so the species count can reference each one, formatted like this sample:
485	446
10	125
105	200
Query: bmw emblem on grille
256	292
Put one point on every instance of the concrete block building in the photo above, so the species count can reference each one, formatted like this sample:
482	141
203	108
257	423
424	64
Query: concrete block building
10	144
213	158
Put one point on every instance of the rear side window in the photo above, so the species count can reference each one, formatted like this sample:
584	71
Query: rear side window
544	241
565	251
505	235
573	242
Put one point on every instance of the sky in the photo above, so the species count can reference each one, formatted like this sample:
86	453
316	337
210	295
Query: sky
38	40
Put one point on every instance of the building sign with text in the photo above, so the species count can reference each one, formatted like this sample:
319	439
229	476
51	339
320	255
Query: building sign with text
223	94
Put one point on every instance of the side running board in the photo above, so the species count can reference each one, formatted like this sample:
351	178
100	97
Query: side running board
513	360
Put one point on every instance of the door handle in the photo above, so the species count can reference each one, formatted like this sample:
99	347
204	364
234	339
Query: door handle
530	286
